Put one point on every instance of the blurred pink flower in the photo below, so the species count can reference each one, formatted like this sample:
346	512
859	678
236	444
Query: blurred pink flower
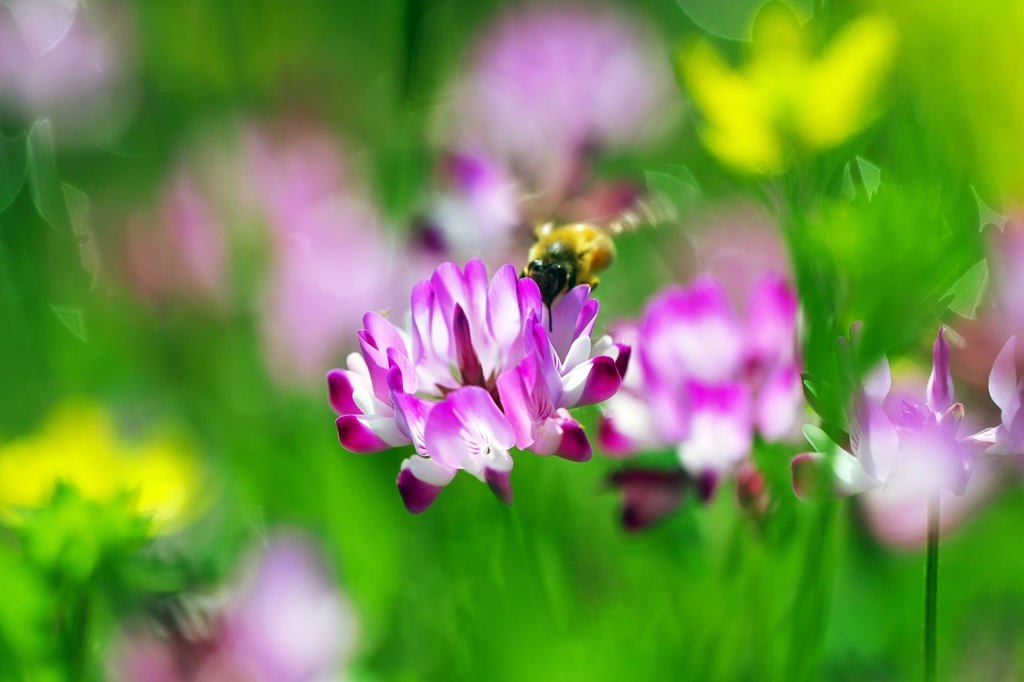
913	443
898	515
330	261
284	621
548	85
57	61
185	251
478	207
704	381
328	256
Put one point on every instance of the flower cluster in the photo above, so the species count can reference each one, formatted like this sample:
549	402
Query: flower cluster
916	445
706	379
480	367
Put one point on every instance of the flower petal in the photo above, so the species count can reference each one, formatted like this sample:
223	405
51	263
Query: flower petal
575	445
873	438
878	382
1002	382
411	415
364	435
779	404
591	383
622	359
503	314
721	432
340	388
771	321
940	383
470	370
468	431
500	483
420	481
692	333
572	316
525	400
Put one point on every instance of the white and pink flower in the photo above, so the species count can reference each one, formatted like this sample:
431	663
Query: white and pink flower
706	379
481	367
919	449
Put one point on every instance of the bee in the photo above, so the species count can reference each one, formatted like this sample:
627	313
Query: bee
566	255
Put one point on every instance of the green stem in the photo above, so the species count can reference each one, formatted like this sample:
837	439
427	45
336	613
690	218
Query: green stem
931	589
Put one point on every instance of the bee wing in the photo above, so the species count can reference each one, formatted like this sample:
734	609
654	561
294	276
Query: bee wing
645	212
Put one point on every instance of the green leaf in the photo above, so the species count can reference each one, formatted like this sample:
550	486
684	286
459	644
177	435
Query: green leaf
44	183
12	168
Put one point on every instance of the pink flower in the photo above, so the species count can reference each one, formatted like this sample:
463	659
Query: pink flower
330	261
285	621
482	366
549	84
706	378
185	252
329	258
479	206
704	382
920	448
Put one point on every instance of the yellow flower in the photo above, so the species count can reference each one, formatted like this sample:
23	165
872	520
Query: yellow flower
79	447
784	97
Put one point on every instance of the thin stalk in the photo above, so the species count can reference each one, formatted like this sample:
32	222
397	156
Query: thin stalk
931	589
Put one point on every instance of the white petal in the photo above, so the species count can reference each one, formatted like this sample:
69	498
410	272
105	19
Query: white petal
579	352
429	471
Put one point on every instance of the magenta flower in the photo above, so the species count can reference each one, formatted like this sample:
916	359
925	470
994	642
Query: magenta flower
920	448
550	84
706	378
482	366
705	381
286	621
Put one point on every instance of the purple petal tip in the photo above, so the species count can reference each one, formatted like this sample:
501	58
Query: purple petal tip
575	445
416	494
501	484
358	437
